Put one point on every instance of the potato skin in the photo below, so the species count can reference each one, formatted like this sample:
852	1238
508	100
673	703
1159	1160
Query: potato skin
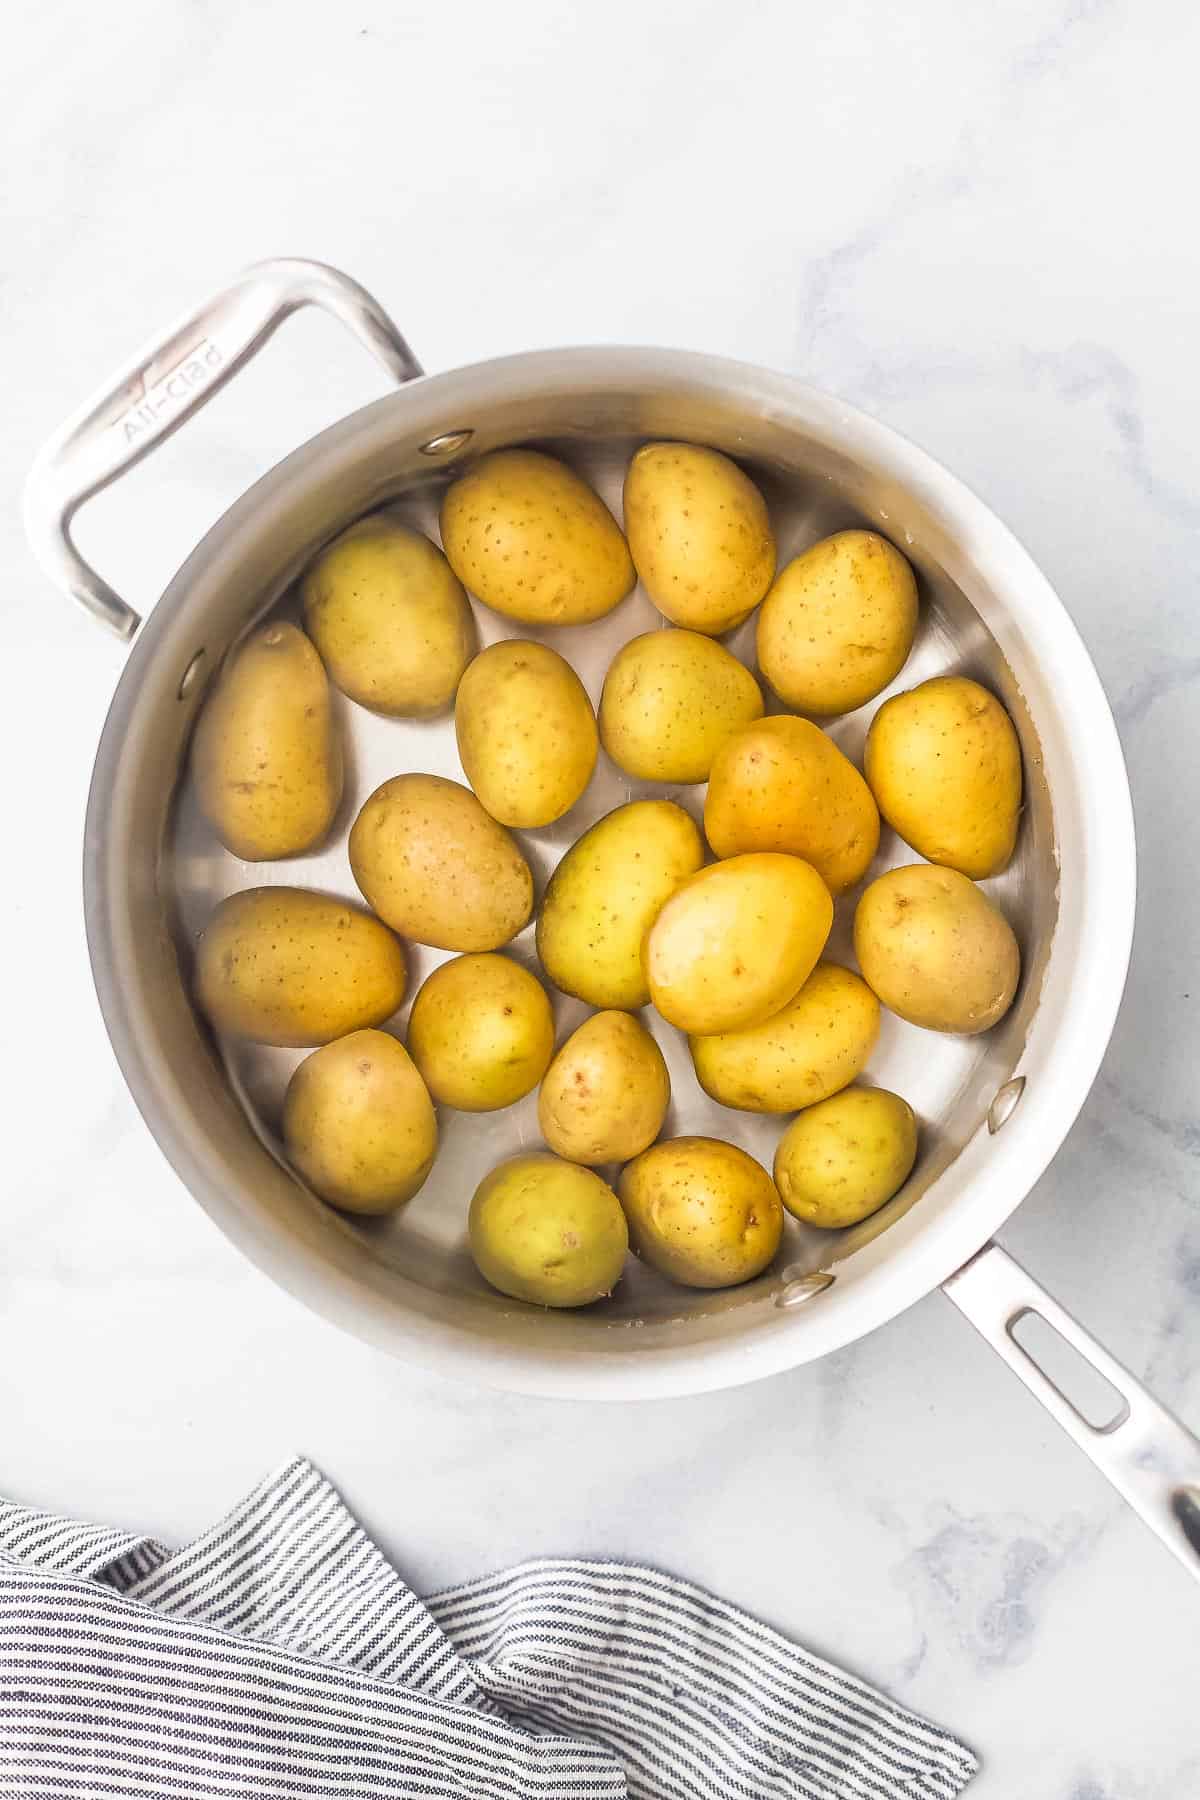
604	895
282	965
735	942
819	1042
670	700
266	756
700	535
389	616
701	1212
438	868
605	1095
533	541
358	1123
935	949
526	732
547	1231
838	623
781	784
481	1032
944	764
840	1160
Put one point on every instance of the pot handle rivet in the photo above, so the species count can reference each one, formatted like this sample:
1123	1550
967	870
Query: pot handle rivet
191	675
1005	1103
447	443
799	1288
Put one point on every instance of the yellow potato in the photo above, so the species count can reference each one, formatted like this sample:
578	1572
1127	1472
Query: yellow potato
524	533
526	732
735	942
282	965
358	1123
700	535
701	1212
604	895
266	756
390	618
944	764
670	700
605	1095
548	1232
781	784
838	623
437	867
935	949
815	1045
840	1160
481	1032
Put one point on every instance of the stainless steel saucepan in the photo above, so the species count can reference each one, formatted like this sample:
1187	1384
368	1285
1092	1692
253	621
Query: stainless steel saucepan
994	1110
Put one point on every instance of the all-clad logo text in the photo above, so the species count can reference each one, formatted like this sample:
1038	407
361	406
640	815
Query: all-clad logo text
172	390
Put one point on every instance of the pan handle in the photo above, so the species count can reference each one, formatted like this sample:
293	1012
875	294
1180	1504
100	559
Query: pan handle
1151	1459
165	383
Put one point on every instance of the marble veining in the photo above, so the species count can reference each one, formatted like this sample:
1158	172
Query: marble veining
973	221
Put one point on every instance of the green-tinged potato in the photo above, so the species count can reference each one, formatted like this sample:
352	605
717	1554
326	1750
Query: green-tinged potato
935	949
838	623
526	732
282	965
604	896
734	943
700	535
701	1212
781	784
481	1032
842	1158
390	618
605	1095
816	1044
266	757
547	1231
524	533
358	1123
944	764
438	868
670	700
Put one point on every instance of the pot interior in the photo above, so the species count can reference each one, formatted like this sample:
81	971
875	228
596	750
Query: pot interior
156	870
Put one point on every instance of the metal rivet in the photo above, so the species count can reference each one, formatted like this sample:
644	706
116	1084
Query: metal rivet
191	675
447	444
797	1289
1005	1103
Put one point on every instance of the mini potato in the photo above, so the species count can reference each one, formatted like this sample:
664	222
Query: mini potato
700	535
944	765
816	1044
526	732
266	756
481	1032
359	1125
438	868
605	1095
605	894
282	965
781	784
390	618
935	949
838	623
548	1232
524	533
670	700
701	1212
840	1160
735	942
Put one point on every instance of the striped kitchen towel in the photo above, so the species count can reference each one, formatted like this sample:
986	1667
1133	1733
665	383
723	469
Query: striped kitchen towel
281	1657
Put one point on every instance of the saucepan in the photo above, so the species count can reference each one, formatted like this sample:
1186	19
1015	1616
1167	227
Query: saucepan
993	1109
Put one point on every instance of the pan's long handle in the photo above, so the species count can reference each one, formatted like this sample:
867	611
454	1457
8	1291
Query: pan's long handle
164	384
1151	1459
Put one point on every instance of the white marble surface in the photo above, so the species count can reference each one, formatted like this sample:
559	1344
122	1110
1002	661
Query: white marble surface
977	222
